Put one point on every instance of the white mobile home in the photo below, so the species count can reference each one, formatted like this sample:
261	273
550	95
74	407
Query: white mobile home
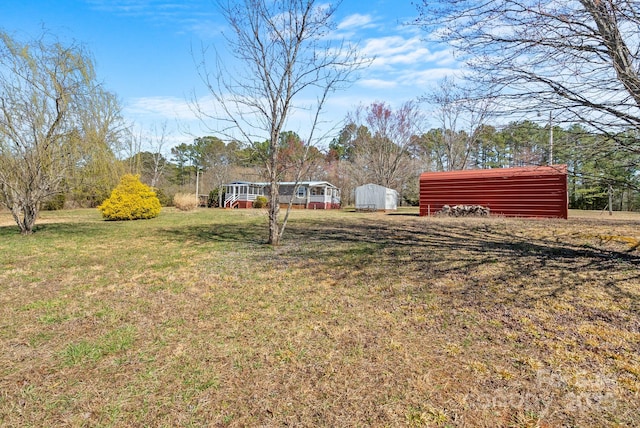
320	195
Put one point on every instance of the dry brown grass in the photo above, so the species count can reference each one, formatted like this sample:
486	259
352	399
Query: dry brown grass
185	201
356	320
604	215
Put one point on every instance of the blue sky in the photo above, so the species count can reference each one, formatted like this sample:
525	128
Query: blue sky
142	50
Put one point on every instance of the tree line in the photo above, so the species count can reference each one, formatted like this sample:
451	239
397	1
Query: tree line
366	151
575	62
357	156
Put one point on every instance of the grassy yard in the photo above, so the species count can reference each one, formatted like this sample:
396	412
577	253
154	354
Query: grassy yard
358	319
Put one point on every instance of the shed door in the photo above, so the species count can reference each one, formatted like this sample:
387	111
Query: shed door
390	202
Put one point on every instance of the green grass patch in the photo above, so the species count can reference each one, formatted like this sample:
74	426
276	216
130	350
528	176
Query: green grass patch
110	343
357	319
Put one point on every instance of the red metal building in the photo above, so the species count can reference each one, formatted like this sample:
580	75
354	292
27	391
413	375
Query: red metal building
539	191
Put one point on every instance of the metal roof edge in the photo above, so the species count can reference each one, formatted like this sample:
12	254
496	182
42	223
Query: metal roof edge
559	169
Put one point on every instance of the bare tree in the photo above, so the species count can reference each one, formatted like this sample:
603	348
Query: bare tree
382	141
285	55
217	160
156	144
461	118
578	58
46	92
131	150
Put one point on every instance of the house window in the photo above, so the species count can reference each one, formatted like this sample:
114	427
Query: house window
301	192
317	191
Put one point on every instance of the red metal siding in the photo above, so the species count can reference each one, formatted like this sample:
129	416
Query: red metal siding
514	192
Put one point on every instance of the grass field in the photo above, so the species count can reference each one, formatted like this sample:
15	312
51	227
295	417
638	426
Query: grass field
358	319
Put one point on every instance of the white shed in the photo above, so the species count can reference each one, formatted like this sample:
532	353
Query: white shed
376	198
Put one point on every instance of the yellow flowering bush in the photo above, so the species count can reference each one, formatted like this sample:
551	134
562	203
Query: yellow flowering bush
260	202
130	200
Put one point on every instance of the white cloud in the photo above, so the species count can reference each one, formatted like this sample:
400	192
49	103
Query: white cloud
396	50
170	108
198	16
204	28
135	7
355	21
424	79
378	83
405	66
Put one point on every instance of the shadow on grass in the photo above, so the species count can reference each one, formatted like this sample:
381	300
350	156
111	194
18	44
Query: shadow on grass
420	253
85	230
6	231
226	232
423	253
404	214
62	229
315	237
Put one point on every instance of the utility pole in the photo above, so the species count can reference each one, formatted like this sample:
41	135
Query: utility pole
550	141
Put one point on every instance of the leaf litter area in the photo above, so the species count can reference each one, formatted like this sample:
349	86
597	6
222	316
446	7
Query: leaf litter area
356	320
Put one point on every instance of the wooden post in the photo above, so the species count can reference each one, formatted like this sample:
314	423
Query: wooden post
197	182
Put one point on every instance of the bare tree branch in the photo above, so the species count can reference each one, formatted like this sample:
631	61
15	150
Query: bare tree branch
48	101
284	52
577	58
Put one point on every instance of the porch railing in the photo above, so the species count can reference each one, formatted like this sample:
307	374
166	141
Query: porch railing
229	201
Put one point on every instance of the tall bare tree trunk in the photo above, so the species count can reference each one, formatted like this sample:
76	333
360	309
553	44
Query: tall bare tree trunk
284	49
274	212
25	217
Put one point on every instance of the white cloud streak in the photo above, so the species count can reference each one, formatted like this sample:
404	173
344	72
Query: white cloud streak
378	83
356	21
192	16
393	51
161	107
405	65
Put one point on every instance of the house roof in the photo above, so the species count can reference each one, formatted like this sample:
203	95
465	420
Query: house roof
247	182
375	186
287	183
307	183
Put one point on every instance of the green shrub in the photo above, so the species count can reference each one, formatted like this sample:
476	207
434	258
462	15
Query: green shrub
260	202
131	200
165	200
214	199
54	203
